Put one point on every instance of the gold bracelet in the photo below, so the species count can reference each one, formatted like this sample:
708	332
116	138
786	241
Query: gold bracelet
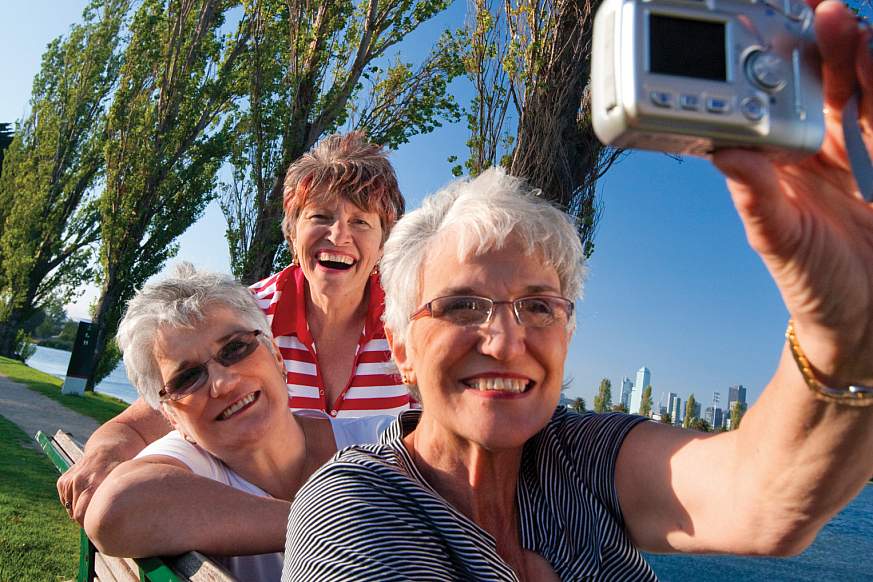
850	396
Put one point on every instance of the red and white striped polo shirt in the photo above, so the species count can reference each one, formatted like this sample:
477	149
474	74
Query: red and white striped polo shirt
374	387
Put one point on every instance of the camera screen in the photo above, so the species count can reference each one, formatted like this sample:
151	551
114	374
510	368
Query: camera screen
687	48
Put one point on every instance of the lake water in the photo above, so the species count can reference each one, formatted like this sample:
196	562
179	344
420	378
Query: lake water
843	550
55	362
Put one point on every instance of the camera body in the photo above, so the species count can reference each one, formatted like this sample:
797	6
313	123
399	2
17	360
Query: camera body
690	76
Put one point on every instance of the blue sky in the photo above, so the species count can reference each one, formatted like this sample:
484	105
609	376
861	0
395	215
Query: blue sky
672	284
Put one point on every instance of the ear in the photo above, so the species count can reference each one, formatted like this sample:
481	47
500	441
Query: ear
398	351
277	355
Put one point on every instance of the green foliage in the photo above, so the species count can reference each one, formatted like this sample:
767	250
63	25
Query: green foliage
737	411
646	401
620	407
38	541
312	68
23	346
700	424
165	145
603	400
52	318
690	417
98	406
578	405
53	163
529	63
667	418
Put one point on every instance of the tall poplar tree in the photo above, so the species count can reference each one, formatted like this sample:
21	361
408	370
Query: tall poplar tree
530	63
603	400
310	69
646	401
690	417
164	146
52	166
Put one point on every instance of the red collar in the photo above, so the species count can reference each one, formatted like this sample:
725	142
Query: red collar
290	314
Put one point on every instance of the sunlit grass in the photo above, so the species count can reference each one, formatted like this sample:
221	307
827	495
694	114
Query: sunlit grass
37	540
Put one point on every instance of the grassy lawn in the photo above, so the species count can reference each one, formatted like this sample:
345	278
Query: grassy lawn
37	539
98	406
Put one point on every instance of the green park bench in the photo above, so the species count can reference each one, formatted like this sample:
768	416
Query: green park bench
64	453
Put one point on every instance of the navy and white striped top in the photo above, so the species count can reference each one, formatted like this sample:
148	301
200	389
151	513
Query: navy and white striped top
370	515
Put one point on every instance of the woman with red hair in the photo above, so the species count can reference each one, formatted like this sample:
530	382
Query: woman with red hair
341	200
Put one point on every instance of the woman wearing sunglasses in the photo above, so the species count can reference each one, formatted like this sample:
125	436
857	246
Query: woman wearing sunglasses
198	348
340	201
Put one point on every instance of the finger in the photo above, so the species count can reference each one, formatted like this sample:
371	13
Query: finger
768	217
837	34
864	74
81	505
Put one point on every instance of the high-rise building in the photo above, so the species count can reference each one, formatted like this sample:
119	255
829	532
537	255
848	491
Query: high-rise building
644	378
626	388
671	404
736	393
676	413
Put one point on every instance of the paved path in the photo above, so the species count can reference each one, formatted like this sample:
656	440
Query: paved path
32	412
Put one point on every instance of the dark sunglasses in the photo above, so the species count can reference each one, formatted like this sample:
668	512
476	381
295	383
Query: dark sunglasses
469	310
190	380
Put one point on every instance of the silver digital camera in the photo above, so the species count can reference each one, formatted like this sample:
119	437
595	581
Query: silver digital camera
689	76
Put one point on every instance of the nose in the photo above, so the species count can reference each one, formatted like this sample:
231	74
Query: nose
221	380
503	337
339	232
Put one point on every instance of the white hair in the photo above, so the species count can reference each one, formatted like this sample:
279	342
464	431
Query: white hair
179	301
481	214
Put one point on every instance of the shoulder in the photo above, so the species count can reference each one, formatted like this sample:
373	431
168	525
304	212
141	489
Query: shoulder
198	460
590	427
267	287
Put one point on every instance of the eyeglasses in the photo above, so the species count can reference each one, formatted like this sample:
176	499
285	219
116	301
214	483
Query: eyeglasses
470	310
188	381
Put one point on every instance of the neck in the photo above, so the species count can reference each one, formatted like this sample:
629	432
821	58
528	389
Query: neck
283	460
336	311
478	482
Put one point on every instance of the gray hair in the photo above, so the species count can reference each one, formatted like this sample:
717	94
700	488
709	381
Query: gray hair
179	301
482	213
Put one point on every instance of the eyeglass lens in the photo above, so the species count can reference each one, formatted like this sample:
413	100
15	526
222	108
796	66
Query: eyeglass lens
192	379
529	311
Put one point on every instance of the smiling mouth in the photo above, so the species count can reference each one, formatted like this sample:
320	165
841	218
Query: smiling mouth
509	385
335	261
239	405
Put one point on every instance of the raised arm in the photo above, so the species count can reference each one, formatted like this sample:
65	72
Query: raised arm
116	441
130	513
768	487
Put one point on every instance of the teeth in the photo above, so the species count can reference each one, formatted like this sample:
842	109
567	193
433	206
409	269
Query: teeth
345	259
516	385
230	410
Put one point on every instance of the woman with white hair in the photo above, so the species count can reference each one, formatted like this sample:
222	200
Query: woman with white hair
199	349
489	481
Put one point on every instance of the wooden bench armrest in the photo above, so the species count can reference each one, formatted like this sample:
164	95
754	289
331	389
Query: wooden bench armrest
65	452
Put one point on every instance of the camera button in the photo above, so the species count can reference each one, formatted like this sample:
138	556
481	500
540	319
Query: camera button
766	70
753	108
718	105
689	102
661	98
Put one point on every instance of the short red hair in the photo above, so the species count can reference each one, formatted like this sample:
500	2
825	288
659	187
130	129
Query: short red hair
346	167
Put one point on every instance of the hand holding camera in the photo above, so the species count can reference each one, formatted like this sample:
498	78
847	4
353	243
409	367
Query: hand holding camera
685	81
